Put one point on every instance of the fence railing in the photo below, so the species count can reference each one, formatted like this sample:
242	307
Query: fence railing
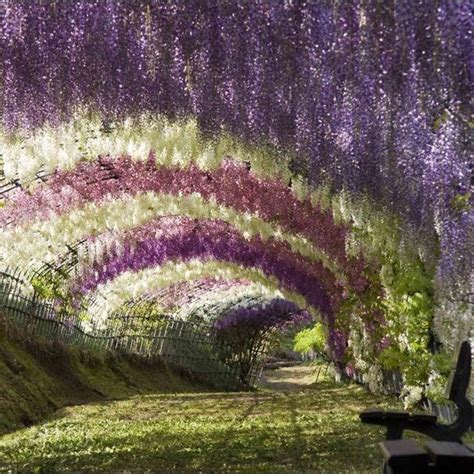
194	347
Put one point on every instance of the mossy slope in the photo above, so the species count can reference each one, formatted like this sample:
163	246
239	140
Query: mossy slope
38	378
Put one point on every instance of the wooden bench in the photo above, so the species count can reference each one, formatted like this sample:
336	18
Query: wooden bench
427	423
407	456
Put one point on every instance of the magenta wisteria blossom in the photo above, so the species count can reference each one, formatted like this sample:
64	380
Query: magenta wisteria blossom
232	185
321	143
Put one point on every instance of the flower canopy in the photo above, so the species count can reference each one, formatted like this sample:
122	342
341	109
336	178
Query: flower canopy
312	155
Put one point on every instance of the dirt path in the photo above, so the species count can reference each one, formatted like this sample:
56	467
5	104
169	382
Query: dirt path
294	378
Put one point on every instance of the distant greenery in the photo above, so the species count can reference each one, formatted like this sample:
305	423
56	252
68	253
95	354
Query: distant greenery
310	339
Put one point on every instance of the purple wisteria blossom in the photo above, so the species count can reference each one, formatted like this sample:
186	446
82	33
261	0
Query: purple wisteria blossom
212	240
277	313
371	97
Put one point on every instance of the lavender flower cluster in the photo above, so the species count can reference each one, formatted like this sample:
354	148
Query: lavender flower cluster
277	313
371	96
212	240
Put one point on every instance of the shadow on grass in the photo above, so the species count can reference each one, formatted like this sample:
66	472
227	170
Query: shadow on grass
315	430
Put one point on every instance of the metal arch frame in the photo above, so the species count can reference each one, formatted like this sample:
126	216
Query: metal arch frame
194	345
8	187
151	302
190	337
195	291
93	299
67	262
231	304
50	274
65	265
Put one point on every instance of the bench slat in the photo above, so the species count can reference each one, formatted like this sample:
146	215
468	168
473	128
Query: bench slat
397	415
448	449
404	452
451	456
377	414
424	417
371	413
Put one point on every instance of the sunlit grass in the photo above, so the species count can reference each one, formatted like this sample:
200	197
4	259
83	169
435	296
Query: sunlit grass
314	429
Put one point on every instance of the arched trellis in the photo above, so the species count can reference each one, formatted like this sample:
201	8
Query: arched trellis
210	305
178	299
238	339
320	80
202	196
93	252
50	276
335	270
8	187
147	303
194	272
128	329
220	243
203	210
69	264
130	285
194	346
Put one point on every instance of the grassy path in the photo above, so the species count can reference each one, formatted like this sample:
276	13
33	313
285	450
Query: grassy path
288	426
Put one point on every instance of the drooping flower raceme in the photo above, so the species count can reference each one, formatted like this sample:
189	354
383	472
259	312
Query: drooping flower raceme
275	313
110	296
359	106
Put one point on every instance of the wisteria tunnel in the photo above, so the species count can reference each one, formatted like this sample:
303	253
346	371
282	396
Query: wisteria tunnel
186	180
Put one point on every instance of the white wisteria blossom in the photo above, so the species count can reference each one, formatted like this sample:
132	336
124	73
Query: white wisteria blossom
43	240
173	144
111	295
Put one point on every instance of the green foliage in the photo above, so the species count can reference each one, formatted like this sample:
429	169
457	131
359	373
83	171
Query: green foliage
409	308
44	290
441	119
310	339
401	287
442	363
462	202
392	359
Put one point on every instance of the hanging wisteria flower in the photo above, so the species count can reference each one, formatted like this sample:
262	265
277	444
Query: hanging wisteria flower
276	313
336	148
110	296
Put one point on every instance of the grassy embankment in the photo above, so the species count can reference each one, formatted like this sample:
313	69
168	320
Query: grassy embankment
290	425
37	378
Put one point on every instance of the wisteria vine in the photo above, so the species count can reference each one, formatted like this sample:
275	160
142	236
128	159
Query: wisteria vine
389	85
363	102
